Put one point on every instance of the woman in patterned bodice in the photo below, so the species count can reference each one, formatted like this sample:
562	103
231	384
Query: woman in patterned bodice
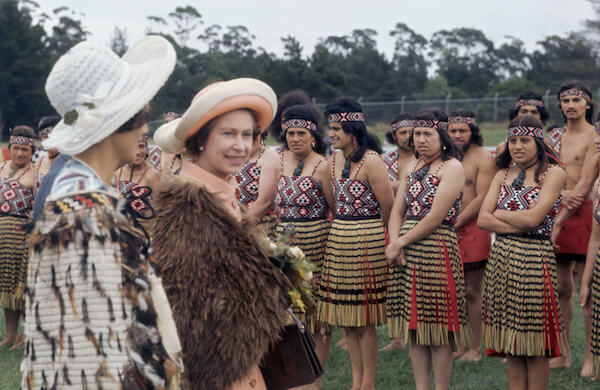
589	296
426	295
352	288
17	180
302	192
521	317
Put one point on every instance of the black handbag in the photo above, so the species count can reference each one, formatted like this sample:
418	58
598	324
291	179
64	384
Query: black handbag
292	362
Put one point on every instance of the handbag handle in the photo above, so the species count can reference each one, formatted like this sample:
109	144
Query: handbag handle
299	323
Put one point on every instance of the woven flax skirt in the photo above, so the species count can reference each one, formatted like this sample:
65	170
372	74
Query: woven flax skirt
13	262
311	238
596	318
352	288
521	316
426	298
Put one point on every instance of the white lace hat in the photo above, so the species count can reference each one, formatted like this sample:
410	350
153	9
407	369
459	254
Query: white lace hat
214	100
95	91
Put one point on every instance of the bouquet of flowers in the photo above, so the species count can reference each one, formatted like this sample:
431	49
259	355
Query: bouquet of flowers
297	268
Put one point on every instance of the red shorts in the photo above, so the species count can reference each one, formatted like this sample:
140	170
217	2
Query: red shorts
474	243
575	233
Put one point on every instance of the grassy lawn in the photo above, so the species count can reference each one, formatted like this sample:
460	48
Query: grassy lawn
394	368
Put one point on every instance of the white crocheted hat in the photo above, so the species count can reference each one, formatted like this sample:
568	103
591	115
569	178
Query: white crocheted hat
214	100
95	91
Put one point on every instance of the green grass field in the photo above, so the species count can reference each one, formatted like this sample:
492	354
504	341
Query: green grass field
393	368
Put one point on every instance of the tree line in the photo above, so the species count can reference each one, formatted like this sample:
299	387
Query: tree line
462	62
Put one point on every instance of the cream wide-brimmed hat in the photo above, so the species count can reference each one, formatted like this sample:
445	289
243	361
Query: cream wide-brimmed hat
95	91
214	100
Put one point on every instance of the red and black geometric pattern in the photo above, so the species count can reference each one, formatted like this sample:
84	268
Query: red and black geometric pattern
526	131
354	198
462	119
300	124
154	156
403	123
391	161
419	196
346	117
15	199
300	197
21	140
247	179
555	138
523	198
433	124
574	92
529	102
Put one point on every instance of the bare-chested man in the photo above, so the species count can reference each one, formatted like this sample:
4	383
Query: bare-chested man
474	243
395	160
574	144
530	103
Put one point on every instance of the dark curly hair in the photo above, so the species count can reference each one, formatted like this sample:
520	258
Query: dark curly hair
450	150
545	154
358	129
530	95
390	136
589	112
476	137
291	98
310	113
23	131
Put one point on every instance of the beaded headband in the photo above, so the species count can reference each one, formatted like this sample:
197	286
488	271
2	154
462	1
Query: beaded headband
45	132
527	131
462	119
346	117
144	138
403	123
574	92
21	140
434	124
171	114
302	123
529	102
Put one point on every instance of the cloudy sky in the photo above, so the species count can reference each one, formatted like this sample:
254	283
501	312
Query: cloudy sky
309	20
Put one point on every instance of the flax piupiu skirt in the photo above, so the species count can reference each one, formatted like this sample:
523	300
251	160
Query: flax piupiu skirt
596	318
426	297
13	262
520	311
353	283
311	237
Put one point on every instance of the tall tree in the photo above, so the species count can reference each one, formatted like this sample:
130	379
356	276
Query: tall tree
118	41
24	64
186	19
410	65
67	31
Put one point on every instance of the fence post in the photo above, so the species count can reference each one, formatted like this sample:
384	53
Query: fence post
546	96
496	107
448	101
404	98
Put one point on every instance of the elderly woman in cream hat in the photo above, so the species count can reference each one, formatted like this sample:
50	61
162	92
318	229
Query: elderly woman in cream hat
227	297
94	312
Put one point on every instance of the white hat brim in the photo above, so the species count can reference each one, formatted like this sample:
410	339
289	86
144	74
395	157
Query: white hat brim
151	62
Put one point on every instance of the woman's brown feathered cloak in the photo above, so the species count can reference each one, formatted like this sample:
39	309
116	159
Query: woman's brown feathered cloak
228	300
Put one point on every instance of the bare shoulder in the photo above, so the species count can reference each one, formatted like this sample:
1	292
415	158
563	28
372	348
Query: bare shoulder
556	171
373	158
270	154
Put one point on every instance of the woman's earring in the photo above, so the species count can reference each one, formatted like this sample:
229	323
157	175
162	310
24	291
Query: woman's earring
201	148
444	147
313	144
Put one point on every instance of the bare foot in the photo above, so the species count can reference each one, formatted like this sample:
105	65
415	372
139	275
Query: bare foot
560	362
394	344
459	352
471	356
7	341
19	343
586	370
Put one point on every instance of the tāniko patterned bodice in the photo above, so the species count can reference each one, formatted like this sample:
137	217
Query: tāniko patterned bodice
16	200
524	198
247	179
124	186
555	138
300	198
391	161
354	199
419	196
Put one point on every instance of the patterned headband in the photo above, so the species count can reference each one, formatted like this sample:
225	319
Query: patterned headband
462	119
434	124
527	131
574	92
529	102
346	117
144	138
171	114
403	123
302	123
45	132
597	126
21	140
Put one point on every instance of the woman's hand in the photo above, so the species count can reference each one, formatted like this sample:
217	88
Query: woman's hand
585	300
394	253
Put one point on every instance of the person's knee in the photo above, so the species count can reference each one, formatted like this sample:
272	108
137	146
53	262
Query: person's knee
472	292
565	288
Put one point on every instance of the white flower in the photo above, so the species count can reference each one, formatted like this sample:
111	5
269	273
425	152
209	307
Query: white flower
272	245
296	252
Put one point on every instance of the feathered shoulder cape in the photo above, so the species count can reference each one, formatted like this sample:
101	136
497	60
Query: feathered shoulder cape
228	300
